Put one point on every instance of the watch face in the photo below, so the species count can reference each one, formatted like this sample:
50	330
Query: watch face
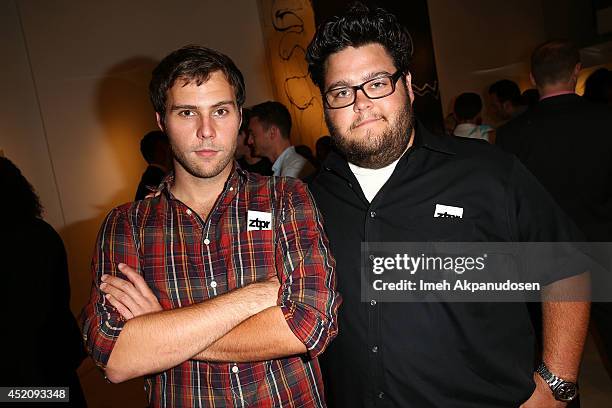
566	391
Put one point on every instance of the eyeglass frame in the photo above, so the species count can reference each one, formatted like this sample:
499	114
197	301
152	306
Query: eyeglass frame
394	78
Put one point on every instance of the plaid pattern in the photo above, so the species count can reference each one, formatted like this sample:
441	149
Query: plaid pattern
186	260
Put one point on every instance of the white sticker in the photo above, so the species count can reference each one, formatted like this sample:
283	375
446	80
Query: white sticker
259	221
447	211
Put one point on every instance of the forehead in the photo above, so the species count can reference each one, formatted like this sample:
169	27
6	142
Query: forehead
354	64
214	89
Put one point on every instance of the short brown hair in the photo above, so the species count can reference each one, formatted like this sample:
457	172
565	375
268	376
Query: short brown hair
554	61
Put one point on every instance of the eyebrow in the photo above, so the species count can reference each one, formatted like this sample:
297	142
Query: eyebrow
367	77
194	107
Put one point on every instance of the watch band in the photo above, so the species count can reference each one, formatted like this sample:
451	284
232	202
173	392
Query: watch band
555	383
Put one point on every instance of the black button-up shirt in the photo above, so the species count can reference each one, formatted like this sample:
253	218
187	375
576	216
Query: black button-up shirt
432	354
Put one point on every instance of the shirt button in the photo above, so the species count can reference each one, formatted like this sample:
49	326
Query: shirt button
373	302
231	188
350	185
372	214
375	349
206	241
188	211
381	395
234	369
213	284
371	257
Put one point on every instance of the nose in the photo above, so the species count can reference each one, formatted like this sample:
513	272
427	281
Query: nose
250	140
362	102
206	129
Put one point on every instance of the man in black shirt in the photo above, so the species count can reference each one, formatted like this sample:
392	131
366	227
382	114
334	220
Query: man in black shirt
388	181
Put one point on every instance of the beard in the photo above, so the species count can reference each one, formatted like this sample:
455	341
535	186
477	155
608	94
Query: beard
375	150
199	167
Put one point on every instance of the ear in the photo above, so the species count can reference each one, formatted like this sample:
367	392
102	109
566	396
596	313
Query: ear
274	132
160	122
409	86
532	79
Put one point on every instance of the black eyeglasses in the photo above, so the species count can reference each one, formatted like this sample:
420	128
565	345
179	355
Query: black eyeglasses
376	88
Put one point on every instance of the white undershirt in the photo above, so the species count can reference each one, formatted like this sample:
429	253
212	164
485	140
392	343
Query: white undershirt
372	180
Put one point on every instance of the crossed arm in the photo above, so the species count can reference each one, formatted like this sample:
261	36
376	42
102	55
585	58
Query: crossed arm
174	336
261	336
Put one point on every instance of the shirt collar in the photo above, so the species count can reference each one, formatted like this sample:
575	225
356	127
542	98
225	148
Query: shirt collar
551	95
278	163
236	176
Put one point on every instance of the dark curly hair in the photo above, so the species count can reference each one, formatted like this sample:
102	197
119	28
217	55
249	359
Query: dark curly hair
358	26
20	201
192	63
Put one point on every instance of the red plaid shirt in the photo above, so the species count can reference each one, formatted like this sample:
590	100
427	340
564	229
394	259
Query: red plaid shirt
186	260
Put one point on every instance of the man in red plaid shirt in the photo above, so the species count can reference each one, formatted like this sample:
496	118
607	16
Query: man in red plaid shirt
220	290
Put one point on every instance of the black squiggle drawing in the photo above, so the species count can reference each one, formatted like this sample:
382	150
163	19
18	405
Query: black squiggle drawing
433	90
288	23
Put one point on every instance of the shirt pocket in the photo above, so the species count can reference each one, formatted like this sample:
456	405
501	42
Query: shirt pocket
438	230
250	257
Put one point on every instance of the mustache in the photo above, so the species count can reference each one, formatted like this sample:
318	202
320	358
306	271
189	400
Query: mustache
362	119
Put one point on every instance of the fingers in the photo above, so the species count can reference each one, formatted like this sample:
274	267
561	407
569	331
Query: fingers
120	290
123	311
138	281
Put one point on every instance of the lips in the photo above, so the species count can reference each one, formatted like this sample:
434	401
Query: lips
366	121
206	152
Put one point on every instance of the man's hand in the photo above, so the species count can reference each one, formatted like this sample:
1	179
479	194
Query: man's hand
130	299
542	396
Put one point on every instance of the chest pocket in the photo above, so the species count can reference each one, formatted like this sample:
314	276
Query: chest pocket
426	229
248	251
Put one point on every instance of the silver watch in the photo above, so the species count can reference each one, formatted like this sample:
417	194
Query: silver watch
562	390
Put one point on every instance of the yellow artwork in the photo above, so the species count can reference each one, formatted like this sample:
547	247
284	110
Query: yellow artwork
288	26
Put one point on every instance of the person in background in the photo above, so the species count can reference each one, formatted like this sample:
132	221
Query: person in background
467	113
42	341
505	100
598	87
530	97
269	131
155	150
244	156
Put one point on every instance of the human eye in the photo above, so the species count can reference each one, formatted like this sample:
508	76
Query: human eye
378	83
186	113
341	93
220	112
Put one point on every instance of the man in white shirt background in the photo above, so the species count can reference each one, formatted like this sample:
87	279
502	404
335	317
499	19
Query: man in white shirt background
269	130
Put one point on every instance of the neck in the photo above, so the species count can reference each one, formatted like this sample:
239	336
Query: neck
564	88
199	193
279	149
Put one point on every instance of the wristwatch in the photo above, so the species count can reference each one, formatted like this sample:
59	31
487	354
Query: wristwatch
562	390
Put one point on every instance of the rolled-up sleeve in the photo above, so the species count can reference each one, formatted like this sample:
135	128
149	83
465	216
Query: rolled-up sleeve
102	324
309	299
